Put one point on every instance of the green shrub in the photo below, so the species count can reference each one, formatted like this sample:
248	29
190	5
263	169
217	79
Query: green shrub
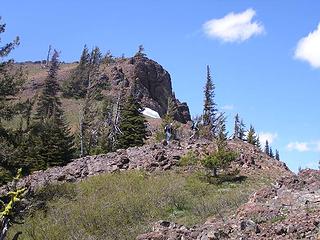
189	159
124	205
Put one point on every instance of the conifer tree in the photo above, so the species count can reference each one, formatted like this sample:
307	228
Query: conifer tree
132	125
258	144
267	148
271	153
172	108
11	80
140	52
209	108
277	157
54	143
236	131
242	130
252	138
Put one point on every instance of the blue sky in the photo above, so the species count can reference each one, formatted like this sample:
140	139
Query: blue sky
264	55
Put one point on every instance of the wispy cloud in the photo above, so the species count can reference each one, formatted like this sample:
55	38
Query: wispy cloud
298	146
308	48
234	27
271	137
311	146
227	107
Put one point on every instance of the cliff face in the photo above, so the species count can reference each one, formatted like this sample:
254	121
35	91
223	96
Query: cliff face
152	84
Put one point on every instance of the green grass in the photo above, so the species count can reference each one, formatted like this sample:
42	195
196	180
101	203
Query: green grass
124	205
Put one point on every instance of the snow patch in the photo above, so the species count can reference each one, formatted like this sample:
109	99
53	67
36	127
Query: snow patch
150	113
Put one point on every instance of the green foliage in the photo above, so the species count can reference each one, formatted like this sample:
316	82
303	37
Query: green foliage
189	159
209	108
85	76
47	141
132	125
252	137
220	159
122	205
9	212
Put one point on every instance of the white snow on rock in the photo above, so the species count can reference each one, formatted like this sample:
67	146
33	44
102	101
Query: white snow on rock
150	113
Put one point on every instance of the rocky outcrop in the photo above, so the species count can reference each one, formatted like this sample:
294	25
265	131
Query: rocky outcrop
152	157
152	82
290	209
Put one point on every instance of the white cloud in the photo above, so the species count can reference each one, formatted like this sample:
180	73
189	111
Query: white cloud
298	146
308	48
312	146
234	27
227	107
263	136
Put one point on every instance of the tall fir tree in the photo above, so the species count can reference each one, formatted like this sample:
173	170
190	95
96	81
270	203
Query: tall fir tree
49	104
267	148
252	138
242	130
236	131
209	107
11	81
271	153
172	108
132	125
54	142
258	144
277	157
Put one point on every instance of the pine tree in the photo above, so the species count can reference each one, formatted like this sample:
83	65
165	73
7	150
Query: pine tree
222	134
11	81
267	148
236	132
277	157
258	144
49	104
252	138
242	130
172	108
132	125
91	125
271	153
140	52
54	142
209	109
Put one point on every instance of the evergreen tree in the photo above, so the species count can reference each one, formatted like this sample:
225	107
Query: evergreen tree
222	157
132	125
222	134
140	52
267	148
236	132
242	130
172	108
271	153
277	157
54	143
258	144
49	104
252	138
11	80
209	109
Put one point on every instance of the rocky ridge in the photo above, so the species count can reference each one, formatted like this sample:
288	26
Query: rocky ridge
152	82
290	209
153	157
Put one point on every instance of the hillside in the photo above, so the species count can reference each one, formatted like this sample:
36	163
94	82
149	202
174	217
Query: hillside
114	177
153	84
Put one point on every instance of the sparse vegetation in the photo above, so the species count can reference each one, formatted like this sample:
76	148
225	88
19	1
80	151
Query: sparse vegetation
123	205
